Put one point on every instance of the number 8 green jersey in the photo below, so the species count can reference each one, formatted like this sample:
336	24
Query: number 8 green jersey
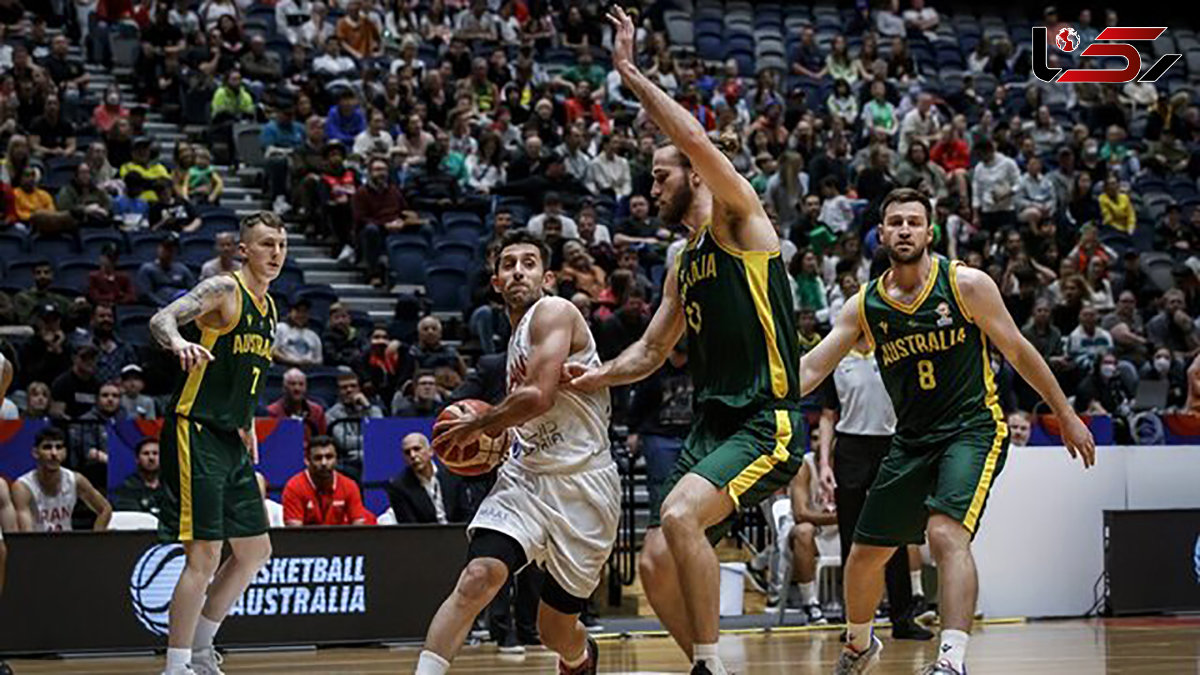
743	348
933	358
224	391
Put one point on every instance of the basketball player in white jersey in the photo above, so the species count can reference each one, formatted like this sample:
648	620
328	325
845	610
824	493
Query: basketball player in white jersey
45	497
557	500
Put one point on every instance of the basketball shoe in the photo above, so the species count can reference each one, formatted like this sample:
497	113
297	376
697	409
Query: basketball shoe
942	667
589	666
207	662
851	663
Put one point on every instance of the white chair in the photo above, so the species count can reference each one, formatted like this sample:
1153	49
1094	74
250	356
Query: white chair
274	513
387	517
133	520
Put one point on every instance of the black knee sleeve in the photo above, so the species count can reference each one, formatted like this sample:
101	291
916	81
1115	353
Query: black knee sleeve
557	597
492	544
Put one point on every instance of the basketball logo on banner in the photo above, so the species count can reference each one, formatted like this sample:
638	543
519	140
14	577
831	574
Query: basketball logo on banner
152	584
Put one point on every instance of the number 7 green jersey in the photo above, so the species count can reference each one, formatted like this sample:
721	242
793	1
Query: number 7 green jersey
224	391
933	358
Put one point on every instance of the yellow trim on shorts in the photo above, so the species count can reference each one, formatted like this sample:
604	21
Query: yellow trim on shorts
763	465
183	440
962	307
930	282
757	267
208	338
971	519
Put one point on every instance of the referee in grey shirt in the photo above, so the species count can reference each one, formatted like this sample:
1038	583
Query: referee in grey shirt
855	400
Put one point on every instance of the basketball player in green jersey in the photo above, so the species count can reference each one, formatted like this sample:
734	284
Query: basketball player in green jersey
929	322
222	332
730	292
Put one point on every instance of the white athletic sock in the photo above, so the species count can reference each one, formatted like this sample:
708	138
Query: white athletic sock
808	593
918	588
430	663
858	636
954	648
178	658
206	630
708	654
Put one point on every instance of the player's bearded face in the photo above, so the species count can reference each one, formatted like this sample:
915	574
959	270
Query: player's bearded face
906	232
674	201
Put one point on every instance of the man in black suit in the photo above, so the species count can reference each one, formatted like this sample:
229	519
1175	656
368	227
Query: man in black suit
425	492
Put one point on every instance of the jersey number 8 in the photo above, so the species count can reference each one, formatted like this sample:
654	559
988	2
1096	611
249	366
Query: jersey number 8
925	375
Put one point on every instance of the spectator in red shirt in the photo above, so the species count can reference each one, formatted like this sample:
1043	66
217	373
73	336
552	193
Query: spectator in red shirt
954	156
107	285
339	183
319	495
583	106
295	404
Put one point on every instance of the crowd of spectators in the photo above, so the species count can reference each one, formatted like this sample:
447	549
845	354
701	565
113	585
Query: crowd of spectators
370	120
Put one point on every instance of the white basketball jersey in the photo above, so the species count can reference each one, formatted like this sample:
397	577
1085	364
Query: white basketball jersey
52	512
573	434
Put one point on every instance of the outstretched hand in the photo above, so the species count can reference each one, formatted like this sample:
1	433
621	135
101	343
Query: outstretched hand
581	378
624	37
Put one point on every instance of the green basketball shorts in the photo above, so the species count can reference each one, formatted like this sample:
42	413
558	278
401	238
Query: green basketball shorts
953	476
211	491
748	452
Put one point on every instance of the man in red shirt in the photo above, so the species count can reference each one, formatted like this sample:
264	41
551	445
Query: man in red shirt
320	495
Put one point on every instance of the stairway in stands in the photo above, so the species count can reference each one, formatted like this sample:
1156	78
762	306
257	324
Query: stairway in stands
244	197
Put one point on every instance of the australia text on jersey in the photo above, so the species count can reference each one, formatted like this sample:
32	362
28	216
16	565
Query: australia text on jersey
922	343
701	268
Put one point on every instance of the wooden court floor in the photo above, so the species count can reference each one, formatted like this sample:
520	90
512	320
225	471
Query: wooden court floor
1101	647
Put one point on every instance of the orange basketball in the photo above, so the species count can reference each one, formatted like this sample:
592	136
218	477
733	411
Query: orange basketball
481	456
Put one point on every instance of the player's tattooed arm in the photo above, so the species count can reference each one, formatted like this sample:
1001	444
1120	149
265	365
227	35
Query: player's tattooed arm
207	296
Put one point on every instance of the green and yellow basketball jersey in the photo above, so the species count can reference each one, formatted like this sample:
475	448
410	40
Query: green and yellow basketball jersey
933	358
224	391
742	339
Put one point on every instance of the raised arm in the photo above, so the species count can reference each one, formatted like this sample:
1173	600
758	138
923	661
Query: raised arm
685	131
983	305
214	294
816	365
551	334
643	357
95	501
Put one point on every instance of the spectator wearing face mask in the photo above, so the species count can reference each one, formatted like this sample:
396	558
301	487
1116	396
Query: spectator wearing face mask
1105	391
1165	367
